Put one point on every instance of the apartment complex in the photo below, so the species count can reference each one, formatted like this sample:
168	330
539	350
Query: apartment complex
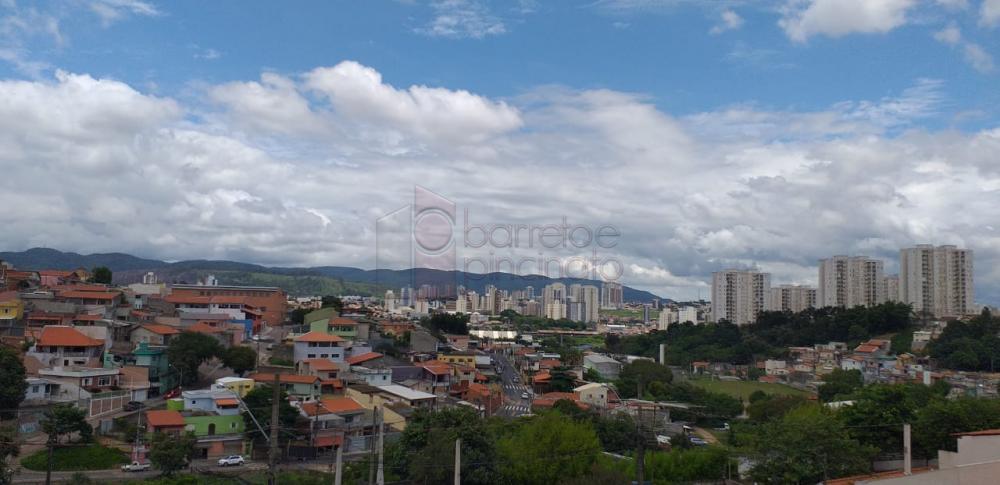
937	280
792	298
850	281
739	296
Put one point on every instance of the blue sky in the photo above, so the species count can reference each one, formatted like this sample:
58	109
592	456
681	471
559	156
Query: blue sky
664	49
713	134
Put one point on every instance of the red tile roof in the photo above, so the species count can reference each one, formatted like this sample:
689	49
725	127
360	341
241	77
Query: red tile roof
160	329
88	318
164	418
435	367
321	364
59	336
332	405
342	321
866	348
227	401
324	441
544	376
365	357
318	337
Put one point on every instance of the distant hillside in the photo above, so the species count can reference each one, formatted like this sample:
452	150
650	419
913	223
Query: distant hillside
321	280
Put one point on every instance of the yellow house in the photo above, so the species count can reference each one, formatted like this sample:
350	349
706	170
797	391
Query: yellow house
467	359
11	307
240	385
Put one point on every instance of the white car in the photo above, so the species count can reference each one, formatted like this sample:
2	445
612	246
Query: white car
233	460
525	395
135	467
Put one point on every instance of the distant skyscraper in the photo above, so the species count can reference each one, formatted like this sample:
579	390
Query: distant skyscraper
890	288
645	313
792	298
390	301
937	280
850	281
612	295
739	296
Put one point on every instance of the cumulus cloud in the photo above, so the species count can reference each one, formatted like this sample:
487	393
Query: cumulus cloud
237	175
802	19
111	11
972	53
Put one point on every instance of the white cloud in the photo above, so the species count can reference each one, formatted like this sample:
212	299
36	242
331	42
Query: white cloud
461	19
207	54
126	171
111	11
972	53
729	20
802	19
989	13
953	4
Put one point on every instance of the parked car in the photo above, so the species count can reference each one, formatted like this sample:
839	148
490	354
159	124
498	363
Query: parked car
136	467
663	441
134	406
698	441
232	460
175	392
525	395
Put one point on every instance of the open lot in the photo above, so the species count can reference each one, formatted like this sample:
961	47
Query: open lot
743	389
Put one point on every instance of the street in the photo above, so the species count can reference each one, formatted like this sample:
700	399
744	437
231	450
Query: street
116	475
514	405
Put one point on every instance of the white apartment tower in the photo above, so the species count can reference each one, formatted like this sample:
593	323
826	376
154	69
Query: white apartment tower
890	288
937	280
850	281
792	298
739	296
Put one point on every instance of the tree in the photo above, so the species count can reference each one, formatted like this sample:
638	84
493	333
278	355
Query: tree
457	324
879	411
171	453
773	407
101	274
941	418
298	316
616	432
189	350
259	401
334	302
429	440
807	445
65	419
9	448
640	374
549	449
240	359
561	380
689	465
12	383
840	384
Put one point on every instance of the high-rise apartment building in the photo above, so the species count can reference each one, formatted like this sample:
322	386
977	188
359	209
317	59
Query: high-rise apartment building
937	280
739	296
792	298
850	281
612	295
890	288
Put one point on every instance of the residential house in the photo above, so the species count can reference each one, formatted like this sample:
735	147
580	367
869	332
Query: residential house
240	386
152	334
161	377
66	346
96	389
594	394
318	345
336	422
343	327
467	359
297	385
371	359
165	421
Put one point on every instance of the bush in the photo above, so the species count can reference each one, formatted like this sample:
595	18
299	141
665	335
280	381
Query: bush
74	458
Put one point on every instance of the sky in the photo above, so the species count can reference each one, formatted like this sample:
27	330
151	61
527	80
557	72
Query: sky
705	134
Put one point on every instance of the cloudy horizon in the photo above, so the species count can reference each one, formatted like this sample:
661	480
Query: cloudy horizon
292	164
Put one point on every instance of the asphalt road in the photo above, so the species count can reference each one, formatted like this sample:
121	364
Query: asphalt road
514	405
116	475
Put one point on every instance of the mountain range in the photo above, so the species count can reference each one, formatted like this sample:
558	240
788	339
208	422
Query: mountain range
319	280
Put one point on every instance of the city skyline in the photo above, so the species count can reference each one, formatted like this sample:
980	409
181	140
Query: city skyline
847	134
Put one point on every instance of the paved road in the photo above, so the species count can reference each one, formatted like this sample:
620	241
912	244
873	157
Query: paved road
514	404
116	475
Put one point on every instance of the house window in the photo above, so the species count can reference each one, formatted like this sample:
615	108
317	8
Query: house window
103	381
311	356
34	389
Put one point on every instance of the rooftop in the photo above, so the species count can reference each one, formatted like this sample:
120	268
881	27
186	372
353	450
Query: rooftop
405	392
65	336
160	329
162	417
365	357
318	337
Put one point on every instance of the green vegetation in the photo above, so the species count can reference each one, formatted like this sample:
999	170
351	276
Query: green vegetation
840	384
12	383
768	337
101	275
655	382
258	401
9	448
66	420
240	359
189	350
629	314
71	458
743	389
170	454
275	360
293	284
441	323
972	345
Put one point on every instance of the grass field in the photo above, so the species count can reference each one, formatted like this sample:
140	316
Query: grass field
743	389
72	458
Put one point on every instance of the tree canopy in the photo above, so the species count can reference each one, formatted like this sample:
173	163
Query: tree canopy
171	453
240	359
189	350
62	420
101	274
258	401
550	448
840	384
12	383
972	345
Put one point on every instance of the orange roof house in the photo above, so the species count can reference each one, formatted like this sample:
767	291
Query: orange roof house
162	418
161	329
331	405
61	336
318	337
358	359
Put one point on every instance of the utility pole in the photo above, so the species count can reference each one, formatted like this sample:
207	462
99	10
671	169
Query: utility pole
338	477
640	447
272	452
380	476
48	466
458	461
907	451
371	448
